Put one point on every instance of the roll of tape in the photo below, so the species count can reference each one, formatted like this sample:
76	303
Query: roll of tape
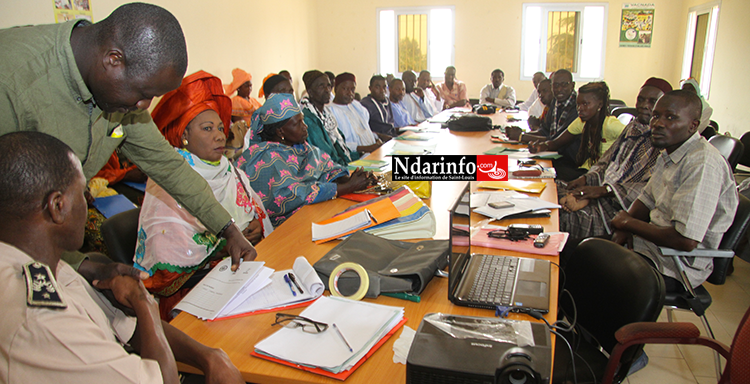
364	280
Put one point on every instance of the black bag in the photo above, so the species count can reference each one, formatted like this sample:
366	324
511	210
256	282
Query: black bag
392	265
485	109
469	123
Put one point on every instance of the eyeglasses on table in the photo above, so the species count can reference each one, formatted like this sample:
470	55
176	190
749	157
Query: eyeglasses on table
293	321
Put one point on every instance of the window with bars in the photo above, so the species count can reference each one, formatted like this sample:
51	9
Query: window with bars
415	39
564	36
412	42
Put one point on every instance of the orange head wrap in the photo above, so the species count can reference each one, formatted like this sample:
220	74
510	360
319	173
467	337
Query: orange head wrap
260	92
239	77
198	92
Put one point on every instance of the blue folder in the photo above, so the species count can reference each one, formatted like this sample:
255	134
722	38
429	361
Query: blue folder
112	205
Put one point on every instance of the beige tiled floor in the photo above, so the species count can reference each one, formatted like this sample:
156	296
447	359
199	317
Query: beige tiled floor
695	364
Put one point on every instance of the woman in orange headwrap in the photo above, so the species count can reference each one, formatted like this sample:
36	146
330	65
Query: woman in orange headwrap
243	105
172	244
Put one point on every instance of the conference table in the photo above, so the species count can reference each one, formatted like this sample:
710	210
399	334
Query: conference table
238	336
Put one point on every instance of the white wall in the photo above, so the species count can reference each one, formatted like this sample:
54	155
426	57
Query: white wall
340	35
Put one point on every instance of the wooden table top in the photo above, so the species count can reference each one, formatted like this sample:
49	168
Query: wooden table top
237	337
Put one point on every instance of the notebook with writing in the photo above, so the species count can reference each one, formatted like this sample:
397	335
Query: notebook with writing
488	281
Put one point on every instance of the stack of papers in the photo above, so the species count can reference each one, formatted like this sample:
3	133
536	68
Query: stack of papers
365	326
221	287
413	136
521	204
337	228
365	215
522	153
278	294
254	288
415	220
400	148
369	165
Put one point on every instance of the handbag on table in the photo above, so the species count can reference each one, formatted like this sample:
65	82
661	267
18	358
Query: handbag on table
391	265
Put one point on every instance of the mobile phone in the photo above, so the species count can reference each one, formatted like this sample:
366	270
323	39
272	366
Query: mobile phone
527	163
531	229
541	240
501	204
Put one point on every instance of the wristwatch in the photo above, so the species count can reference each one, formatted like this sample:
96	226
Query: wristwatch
609	189
221	233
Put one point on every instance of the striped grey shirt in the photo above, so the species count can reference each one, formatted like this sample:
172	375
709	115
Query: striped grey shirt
693	190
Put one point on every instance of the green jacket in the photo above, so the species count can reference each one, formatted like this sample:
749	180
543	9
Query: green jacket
318	137
42	90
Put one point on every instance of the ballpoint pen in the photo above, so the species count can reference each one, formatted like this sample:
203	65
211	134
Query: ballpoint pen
289	282
342	337
294	280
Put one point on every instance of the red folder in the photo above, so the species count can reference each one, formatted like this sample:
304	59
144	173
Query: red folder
274	309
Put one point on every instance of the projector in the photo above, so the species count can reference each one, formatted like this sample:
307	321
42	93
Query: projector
479	350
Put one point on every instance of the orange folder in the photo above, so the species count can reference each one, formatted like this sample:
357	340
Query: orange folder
381	210
343	374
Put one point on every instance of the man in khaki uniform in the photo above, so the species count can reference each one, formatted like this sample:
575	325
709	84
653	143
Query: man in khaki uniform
56	327
90	85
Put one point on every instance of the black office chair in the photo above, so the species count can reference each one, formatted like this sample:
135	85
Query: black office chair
473	102
625	114
714	125
729	147
612	286
120	233
745	158
710	131
616	103
698	299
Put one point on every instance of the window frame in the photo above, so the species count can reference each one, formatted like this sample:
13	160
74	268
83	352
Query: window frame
582	33
408	11
713	9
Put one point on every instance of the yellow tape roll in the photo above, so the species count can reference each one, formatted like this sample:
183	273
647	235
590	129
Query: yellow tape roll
364	280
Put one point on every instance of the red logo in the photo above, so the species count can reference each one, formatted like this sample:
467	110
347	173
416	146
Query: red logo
492	168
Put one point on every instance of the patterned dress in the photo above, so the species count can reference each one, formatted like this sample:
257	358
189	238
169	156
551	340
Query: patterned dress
287	178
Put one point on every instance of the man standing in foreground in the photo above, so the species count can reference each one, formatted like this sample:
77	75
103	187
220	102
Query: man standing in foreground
56	327
691	198
90	85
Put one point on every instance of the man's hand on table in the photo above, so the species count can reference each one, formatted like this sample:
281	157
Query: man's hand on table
220	369
238	247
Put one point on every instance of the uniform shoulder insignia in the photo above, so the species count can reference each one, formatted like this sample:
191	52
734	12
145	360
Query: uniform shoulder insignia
41	287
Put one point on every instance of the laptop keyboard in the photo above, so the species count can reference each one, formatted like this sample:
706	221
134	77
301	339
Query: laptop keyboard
494	280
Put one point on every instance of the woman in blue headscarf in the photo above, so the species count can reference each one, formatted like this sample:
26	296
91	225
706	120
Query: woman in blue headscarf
284	169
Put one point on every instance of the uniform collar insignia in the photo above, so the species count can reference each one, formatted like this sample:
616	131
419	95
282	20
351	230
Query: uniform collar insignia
41	287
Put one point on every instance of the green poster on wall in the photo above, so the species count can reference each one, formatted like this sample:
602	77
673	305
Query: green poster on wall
636	25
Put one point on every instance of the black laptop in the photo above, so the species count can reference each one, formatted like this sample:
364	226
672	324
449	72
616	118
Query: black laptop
488	281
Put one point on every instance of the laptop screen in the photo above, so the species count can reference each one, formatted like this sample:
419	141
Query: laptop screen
459	239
